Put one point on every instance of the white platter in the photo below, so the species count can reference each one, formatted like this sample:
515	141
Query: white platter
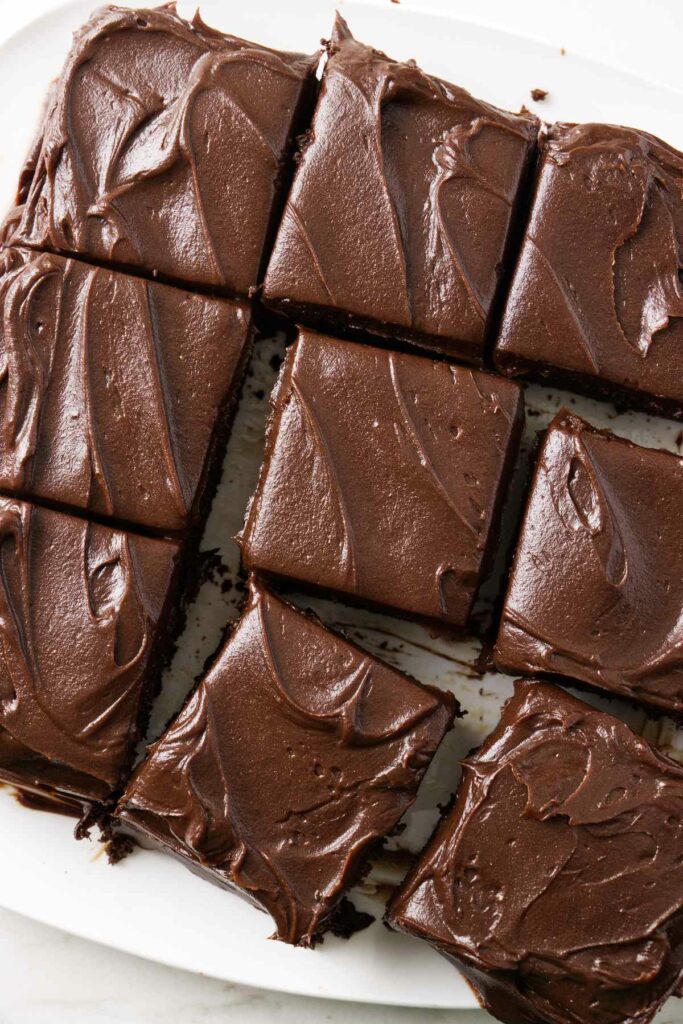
150	905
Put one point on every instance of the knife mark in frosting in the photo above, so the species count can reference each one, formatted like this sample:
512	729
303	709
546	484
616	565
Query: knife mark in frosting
291	213
657	299
417	444
570	300
25	365
311	425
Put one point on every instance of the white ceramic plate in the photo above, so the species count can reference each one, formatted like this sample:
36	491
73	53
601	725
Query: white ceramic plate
150	905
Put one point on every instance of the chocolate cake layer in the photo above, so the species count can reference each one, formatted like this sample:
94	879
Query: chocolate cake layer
402	205
85	620
383	477
596	589
293	759
118	390
555	883
597	296
165	148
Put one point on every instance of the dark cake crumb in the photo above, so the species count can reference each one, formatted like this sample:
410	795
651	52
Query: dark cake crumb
118	848
347	920
538	94
212	569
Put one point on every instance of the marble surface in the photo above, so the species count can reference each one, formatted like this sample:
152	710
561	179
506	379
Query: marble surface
49	977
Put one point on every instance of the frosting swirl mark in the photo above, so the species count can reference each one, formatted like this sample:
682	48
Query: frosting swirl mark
296	754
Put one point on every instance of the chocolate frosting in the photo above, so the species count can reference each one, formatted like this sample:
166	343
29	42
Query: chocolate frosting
163	147
81	610
383	475
556	881
115	386
296	754
598	289
596	590
402	202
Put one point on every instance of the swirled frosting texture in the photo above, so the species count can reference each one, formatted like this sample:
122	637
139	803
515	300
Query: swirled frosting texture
82	612
402	202
163	148
596	589
383	475
555	882
296	754
598	292
115	388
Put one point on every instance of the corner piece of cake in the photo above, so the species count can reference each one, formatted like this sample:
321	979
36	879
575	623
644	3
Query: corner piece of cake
384	477
296	755
165	148
596	588
555	882
596	301
87	622
405	197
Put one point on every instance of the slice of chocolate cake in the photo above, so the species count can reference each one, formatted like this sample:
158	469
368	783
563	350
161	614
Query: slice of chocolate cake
86	624
596	301
384	477
596	588
165	148
293	759
403	203
555	882
119	391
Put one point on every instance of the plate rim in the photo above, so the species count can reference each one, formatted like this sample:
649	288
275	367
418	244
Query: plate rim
53	16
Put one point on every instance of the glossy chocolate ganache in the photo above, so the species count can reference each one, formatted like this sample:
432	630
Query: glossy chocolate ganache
555	883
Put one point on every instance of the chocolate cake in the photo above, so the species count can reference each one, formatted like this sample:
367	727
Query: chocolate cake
596	302
555	882
86	622
119	390
165	148
293	759
402	205
383	477
596	589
